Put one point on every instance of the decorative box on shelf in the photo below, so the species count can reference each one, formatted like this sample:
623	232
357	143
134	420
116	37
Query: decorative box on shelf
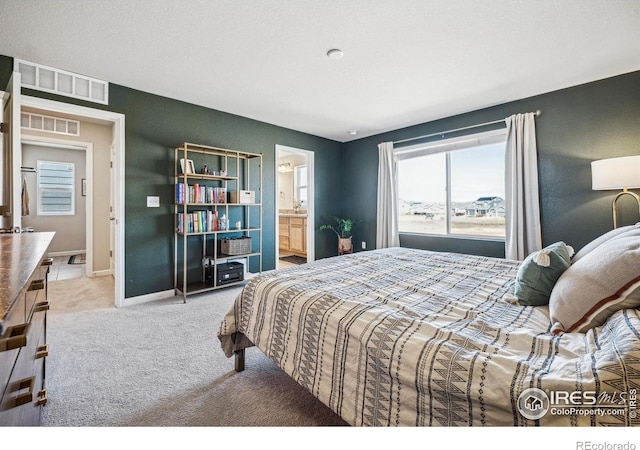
235	246
242	197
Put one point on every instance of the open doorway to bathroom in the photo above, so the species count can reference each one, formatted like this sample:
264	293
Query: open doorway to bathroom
54	199
294	207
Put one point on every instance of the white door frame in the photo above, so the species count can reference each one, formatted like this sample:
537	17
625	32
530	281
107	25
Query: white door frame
311	236
88	148
118	179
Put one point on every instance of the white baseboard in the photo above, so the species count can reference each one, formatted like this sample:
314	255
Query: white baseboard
130	301
100	273
66	253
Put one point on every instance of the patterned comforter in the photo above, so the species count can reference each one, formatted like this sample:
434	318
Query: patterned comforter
400	337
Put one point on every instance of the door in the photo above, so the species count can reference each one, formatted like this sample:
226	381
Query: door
298	236
11	156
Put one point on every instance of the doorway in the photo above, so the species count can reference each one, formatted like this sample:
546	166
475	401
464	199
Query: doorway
63	207
295	238
115	178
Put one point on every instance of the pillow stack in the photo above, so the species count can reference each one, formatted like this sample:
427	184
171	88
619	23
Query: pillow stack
604	278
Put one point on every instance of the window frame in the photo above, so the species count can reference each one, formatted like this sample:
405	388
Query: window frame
447	146
297	185
70	188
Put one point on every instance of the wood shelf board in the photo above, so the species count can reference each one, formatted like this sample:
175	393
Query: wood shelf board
219	232
218	204
199	148
202	176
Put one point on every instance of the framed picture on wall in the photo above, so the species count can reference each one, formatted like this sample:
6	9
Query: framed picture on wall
190	167
84	187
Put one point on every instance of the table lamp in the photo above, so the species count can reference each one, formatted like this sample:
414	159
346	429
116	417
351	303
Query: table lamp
617	173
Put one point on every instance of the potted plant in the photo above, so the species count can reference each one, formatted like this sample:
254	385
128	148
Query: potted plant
342	228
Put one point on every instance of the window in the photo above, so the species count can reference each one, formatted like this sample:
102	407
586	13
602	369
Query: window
61	82
454	187
300	183
55	188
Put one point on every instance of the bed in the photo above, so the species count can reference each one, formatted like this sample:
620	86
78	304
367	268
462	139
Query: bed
406	337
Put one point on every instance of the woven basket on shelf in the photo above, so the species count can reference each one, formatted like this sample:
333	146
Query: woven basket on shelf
235	246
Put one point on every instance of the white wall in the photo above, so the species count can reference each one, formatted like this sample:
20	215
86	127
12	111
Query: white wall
70	229
285	180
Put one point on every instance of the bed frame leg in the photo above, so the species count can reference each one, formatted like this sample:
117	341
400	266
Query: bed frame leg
239	360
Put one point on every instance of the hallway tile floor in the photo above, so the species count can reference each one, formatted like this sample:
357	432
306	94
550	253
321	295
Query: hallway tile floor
62	270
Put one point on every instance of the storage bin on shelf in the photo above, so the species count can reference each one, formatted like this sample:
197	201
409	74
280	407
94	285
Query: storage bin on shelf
235	246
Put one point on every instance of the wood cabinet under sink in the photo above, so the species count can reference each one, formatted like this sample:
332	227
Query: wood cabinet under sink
292	233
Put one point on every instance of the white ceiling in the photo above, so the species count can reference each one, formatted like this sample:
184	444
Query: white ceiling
405	62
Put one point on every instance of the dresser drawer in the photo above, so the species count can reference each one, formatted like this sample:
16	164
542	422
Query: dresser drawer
23	311
21	402
16	329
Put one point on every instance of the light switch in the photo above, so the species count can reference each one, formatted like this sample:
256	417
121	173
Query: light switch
153	201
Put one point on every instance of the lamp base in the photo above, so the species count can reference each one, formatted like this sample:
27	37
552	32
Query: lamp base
625	191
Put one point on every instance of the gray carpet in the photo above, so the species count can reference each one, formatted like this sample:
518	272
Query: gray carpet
160	364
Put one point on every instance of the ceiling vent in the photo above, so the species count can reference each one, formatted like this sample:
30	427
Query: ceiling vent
49	79
57	125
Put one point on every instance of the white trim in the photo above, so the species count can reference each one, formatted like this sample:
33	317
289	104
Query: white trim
450	144
102	273
311	235
146	298
88	148
119	142
66	253
56	120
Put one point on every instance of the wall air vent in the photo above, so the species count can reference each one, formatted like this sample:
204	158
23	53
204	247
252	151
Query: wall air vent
51	124
49	79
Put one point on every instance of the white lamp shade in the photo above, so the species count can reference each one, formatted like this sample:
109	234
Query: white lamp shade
616	173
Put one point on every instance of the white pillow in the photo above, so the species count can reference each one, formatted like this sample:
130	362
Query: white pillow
601	239
603	281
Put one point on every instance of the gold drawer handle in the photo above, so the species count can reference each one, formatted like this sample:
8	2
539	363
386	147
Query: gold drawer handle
27	397
43	351
44	397
47	261
36	285
42	306
14	337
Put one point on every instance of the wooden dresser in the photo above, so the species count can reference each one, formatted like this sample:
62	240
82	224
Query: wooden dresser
23	321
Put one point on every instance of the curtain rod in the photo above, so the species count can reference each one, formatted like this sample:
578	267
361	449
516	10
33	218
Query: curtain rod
537	113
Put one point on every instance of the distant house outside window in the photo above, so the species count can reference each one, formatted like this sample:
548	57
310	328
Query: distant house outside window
454	187
56	181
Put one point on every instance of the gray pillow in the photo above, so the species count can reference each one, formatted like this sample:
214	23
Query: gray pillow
539	272
601	239
603	281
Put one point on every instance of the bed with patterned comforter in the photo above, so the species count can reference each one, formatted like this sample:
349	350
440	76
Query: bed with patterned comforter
405	337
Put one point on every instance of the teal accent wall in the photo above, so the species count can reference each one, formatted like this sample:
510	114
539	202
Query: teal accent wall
577	125
154	126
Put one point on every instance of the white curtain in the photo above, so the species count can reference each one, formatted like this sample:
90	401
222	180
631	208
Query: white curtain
387	217
523	234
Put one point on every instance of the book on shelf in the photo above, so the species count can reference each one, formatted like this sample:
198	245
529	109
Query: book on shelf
200	194
202	221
